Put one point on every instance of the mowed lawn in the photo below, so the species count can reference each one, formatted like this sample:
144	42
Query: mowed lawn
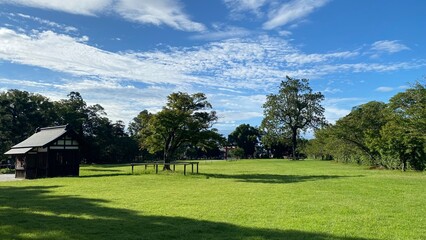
247	199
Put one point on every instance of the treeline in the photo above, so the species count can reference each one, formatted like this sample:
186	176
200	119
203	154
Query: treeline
105	141
21	113
391	135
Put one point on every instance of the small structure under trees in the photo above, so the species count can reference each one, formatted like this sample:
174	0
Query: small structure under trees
50	152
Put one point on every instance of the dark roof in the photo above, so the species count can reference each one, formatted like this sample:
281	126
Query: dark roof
41	138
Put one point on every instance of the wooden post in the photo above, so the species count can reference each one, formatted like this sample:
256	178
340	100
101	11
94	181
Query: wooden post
156	168
197	167
145	166
184	169
174	167
192	167
132	168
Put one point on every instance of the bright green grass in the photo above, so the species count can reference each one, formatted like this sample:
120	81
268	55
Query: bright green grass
263	199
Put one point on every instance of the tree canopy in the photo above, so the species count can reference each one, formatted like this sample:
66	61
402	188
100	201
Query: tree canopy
245	137
391	135
185	120
22	112
293	109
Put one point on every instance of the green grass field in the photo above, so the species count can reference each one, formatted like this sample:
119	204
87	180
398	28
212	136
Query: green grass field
263	199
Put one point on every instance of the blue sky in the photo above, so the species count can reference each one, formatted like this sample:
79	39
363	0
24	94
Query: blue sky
128	55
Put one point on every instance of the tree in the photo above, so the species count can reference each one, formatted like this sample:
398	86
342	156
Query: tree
21	113
73	111
295	108
182	121
245	137
404	135
140	122
361	129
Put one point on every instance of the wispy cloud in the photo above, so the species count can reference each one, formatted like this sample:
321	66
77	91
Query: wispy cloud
49	24
154	12
246	63
239	6
331	90
87	7
226	70
157	12
220	33
384	89
388	46
292	11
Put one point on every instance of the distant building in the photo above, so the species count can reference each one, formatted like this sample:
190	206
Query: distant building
50	152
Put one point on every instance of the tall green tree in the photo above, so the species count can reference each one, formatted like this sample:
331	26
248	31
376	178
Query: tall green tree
73	111
404	135
294	109
245	137
21	113
184	120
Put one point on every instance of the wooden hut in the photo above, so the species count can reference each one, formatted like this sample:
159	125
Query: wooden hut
50	152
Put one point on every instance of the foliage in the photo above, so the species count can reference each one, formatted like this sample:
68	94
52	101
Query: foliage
361	127
21	113
404	135
237	153
295	108
245	137
103	141
183	121
389	135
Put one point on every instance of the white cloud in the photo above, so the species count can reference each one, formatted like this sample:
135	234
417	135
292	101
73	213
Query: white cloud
331	90
332	114
292	11
249	63
66	54
384	89
253	6
48	23
388	46
225	33
155	12
228	71
87	7
285	33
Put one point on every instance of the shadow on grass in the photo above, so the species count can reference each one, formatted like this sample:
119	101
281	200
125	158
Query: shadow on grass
98	172
275	178
36	213
102	170
105	175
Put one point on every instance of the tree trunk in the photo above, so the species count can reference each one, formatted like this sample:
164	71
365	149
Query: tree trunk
166	159
404	165
294	143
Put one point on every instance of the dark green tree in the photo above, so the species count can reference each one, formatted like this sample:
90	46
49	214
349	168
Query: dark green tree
21	113
184	120
245	137
294	109
404	135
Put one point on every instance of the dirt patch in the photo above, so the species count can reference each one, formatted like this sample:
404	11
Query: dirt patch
8	177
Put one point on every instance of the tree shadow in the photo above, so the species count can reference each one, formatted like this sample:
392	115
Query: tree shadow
105	175
275	178
36	213
98	172
102	170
